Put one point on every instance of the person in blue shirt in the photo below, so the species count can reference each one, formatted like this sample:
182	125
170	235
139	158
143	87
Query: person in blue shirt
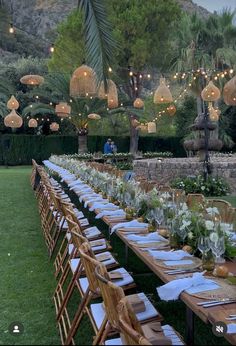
107	147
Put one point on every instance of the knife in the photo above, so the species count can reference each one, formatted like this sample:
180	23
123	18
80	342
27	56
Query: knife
219	303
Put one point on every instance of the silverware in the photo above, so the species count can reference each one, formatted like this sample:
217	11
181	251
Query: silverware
216	301
231	318
219	303
180	271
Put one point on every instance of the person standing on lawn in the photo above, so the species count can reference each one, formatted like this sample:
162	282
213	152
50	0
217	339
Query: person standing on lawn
113	147
107	147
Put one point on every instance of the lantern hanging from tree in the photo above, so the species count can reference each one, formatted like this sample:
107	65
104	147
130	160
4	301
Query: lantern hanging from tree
162	94
63	110
12	103
54	126
13	120
151	126
33	123
83	82
94	116
171	110
210	93
32	80
214	113
138	103
229	92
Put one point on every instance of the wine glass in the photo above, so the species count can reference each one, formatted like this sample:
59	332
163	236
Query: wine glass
158	216
218	248
203	244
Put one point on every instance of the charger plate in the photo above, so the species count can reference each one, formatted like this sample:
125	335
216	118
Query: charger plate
225	291
196	263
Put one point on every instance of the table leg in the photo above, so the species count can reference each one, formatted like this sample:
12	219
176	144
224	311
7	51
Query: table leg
190	326
126	255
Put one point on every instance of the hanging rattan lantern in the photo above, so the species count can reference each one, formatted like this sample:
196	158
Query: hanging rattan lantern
54	127
151	126
32	123
83	82
229	92
171	110
214	113
94	116
101	90
13	120
142	127
12	103
162	94
210	93
63	110
32	79
138	103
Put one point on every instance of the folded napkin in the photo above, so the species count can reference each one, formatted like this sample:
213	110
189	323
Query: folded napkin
87	194
173	289
118	212
103	205
130	224
169	255
151	237
231	328
94	199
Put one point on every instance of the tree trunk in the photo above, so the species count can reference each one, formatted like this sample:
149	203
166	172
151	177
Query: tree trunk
134	137
82	144
199	105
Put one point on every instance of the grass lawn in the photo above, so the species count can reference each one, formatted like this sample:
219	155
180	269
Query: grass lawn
27	281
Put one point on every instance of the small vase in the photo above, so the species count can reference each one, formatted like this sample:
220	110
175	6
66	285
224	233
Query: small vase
208	261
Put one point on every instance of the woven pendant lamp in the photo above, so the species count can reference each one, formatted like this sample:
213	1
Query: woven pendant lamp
83	82
162	94
151	127
171	110
229	92
54	127
138	103
63	110
32	79
142	128
210	93
94	116
13	120
214	113
33	123
12	103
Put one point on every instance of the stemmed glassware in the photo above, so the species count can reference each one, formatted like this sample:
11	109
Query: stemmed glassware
158	216
203	244
217	246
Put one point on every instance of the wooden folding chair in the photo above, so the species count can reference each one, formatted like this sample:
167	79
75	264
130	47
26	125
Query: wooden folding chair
223	207
195	201
112	294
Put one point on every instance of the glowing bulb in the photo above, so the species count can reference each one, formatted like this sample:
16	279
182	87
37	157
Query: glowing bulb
222	76
71	101
37	97
110	69
85	73
11	29
149	76
131	73
121	104
140	76
231	70
215	77
52	48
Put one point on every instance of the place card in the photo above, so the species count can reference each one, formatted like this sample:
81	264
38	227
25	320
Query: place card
102	258
115	276
137	303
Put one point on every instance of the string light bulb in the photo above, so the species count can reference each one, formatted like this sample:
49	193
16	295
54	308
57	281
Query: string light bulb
11	29
110	69
52	48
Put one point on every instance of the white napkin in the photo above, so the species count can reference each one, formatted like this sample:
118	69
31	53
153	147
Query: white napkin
103	205
118	212
88	194
173	289
178	263
95	199
130	224
169	255
151	237
231	328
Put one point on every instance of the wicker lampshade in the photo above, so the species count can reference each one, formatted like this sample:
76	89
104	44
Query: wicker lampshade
32	123
83	82
214	113
63	110
152	128
162	94
101	90
138	103
229	92
142	128
13	120
12	103
32	79
210	93
171	110
54	127
94	116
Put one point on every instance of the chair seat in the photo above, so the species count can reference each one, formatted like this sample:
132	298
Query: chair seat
74	262
126	280
92	232
116	341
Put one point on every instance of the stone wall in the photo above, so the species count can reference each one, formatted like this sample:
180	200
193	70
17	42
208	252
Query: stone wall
165	170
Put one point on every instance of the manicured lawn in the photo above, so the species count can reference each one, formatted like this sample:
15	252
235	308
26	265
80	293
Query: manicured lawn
27	281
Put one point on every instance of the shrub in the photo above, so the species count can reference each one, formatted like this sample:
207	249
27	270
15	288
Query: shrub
211	187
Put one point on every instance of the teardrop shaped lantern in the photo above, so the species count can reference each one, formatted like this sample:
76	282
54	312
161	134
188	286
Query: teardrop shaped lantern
171	110
151	127
138	103
83	82
63	110
162	94
229	92
32	79
210	93
54	126
94	116
12	103
33	123
13	120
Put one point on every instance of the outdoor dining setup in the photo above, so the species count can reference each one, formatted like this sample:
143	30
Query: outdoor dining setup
188	242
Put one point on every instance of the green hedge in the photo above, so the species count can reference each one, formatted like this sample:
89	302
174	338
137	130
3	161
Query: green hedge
22	148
